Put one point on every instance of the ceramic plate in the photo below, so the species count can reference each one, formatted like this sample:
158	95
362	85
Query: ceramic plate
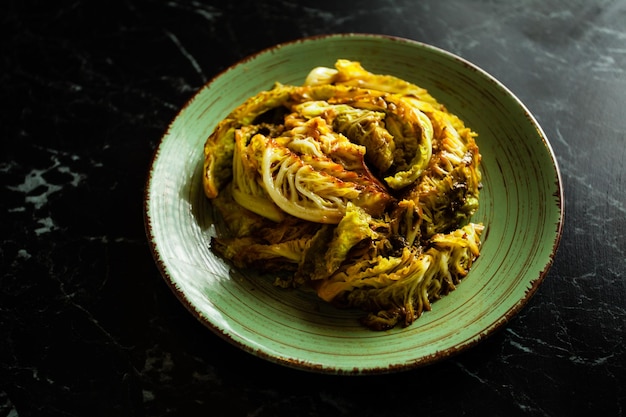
521	206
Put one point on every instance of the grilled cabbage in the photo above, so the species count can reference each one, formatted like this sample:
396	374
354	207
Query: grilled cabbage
358	185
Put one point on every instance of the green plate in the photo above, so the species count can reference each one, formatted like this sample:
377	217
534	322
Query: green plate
521	207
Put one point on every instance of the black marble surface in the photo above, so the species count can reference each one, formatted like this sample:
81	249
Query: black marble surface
88	326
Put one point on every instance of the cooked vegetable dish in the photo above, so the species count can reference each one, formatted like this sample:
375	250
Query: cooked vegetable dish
356	185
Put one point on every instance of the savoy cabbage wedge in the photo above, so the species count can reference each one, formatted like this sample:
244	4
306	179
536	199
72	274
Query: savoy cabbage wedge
358	186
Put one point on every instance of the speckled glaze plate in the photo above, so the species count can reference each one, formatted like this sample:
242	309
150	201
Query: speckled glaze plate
521	206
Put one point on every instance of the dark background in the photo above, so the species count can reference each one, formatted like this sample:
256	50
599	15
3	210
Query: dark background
89	328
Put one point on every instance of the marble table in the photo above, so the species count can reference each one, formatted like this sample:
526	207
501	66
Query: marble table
89	328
